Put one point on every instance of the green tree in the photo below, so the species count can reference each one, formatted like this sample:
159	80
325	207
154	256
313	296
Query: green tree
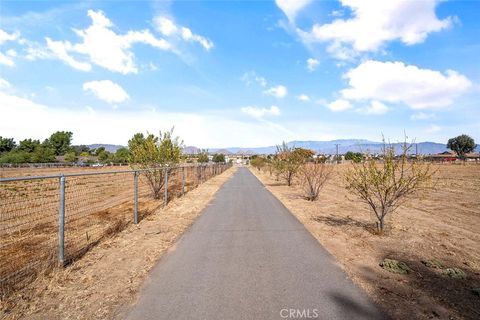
43	154
258	162
354	156
218	158
71	157
158	154
121	155
81	149
99	150
7	144
202	156
15	157
462	145
60	142
28	145
288	160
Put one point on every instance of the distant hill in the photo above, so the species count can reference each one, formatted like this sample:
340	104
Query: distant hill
108	147
344	145
327	147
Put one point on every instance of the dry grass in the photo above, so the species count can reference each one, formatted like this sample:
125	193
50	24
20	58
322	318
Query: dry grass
443	225
107	278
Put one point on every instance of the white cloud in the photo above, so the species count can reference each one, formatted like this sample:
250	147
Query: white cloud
4	84
106	90
278	91
292	7
249	77
339	105
30	119
374	23
103	46
395	82
303	97
168	28
422	116
5	36
261	112
375	108
6	60
312	64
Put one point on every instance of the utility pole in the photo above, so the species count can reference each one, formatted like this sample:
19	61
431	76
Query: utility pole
416	150
336	144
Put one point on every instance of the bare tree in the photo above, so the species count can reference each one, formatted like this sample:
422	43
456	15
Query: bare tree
288	160
313	177
386	184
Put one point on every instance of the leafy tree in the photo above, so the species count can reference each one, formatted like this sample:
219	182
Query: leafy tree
43	154
218	158
15	157
105	156
159	154
84	154
288	160
81	149
6	144
258	162
28	145
71	157
121	155
99	150
60	142
386	185
354	156
462	145
202	156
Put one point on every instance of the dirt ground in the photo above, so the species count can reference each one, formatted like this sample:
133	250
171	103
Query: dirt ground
443	224
90	288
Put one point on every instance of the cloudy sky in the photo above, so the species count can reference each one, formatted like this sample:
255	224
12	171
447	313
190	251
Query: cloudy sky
238	73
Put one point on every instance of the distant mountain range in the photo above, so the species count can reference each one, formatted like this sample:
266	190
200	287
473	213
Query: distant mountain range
326	147
344	145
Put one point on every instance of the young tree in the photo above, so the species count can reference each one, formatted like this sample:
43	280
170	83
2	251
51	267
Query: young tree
385	185
314	176
288	160
258	162
7	144
202	156
462	145
158	154
218	158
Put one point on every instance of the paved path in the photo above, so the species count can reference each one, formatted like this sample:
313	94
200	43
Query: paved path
247	257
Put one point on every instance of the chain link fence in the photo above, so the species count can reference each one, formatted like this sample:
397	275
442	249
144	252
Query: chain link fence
54	219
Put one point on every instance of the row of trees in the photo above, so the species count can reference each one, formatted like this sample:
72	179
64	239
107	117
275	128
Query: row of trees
383	185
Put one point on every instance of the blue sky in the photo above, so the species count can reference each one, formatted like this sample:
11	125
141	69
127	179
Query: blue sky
239	73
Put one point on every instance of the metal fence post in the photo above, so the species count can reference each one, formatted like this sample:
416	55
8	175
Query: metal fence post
135	197
61	222
183	181
166	187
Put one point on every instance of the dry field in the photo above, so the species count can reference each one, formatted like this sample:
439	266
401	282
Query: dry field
90	288
96	206
444	224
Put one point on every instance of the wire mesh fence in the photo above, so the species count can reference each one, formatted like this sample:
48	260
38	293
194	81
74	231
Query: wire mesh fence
51	220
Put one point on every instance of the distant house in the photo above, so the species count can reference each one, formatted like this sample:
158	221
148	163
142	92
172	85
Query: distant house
450	156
